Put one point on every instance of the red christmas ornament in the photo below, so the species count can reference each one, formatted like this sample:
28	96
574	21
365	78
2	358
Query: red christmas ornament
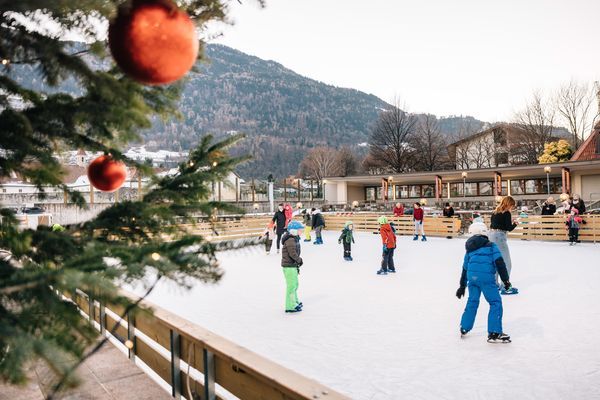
106	174
153	41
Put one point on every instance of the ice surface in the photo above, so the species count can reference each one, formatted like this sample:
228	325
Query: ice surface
396	336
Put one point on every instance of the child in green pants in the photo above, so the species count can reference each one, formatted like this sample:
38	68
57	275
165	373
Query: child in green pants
291	262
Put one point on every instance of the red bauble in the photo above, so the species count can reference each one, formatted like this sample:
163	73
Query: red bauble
153	41
107	174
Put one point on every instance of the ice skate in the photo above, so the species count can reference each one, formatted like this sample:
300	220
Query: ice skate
416	237
498	338
423	239
392	270
382	272
463	332
295	310
511	290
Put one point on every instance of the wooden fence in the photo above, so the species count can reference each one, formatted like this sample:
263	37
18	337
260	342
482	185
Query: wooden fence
434	226
535	227
192	360
553	227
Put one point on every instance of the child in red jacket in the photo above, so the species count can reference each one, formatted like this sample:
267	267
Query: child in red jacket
418	216
388	238
573	222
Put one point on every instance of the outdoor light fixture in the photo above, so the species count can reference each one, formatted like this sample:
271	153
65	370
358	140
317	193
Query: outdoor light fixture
255	206
298	205
547	170
390	178
464	176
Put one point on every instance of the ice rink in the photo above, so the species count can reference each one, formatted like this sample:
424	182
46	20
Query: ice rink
396	336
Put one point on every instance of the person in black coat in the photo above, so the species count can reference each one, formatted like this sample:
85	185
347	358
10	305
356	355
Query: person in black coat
279	220
448	211
549	207
577	203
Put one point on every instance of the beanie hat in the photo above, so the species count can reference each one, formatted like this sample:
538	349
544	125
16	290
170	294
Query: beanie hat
293	227
382	220
347	224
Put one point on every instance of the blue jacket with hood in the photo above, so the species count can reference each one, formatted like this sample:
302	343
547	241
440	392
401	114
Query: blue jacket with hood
482	260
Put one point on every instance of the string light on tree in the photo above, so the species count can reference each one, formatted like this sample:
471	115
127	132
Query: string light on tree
155	256
153	41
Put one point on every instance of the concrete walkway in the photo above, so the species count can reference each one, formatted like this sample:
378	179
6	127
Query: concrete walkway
107	375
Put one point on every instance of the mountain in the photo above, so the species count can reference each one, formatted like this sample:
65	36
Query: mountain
282	113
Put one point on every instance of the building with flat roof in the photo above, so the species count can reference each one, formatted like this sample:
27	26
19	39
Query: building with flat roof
524	182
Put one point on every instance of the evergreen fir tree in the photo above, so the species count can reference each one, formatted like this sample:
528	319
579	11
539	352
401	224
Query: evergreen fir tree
128	242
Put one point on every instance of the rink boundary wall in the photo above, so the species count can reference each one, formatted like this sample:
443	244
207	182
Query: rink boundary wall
538	227
169	347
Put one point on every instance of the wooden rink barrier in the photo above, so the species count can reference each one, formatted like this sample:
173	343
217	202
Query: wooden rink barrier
535	227
553	228
192	360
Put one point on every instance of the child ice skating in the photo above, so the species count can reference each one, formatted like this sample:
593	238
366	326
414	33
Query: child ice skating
481	262
318	223
347	238
268	237
291	263
306	215
418	216
573	222
388	238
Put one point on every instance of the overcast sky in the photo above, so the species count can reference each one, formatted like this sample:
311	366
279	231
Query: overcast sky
471	57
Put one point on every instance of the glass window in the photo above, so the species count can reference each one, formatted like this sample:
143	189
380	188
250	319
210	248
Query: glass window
379	193
403	190
556	185
471	189
530	186
517	187
414	191
504	188
428	191
445	191
456	189
486	189
370	194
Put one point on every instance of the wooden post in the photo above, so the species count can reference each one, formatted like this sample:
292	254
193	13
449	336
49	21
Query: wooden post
438	187
299	191
237	189
65	196
91	194
566	180
498	183
448	187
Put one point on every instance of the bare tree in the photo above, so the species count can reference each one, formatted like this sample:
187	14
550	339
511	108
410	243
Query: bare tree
391	137
536	121
575	103
347	162
373	166
319	163
431	145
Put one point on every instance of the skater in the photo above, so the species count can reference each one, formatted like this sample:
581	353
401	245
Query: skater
279	220
289	214
482	262
549	206
399	210
388	239
291	263
573	222
502	223
307	217
577	202
318	223
268	236
347	238
418	217
448	211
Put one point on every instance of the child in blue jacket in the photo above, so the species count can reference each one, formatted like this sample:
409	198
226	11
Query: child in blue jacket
481	262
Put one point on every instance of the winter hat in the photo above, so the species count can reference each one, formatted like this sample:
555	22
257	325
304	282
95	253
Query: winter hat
574	210
293	228
347	224
382	220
